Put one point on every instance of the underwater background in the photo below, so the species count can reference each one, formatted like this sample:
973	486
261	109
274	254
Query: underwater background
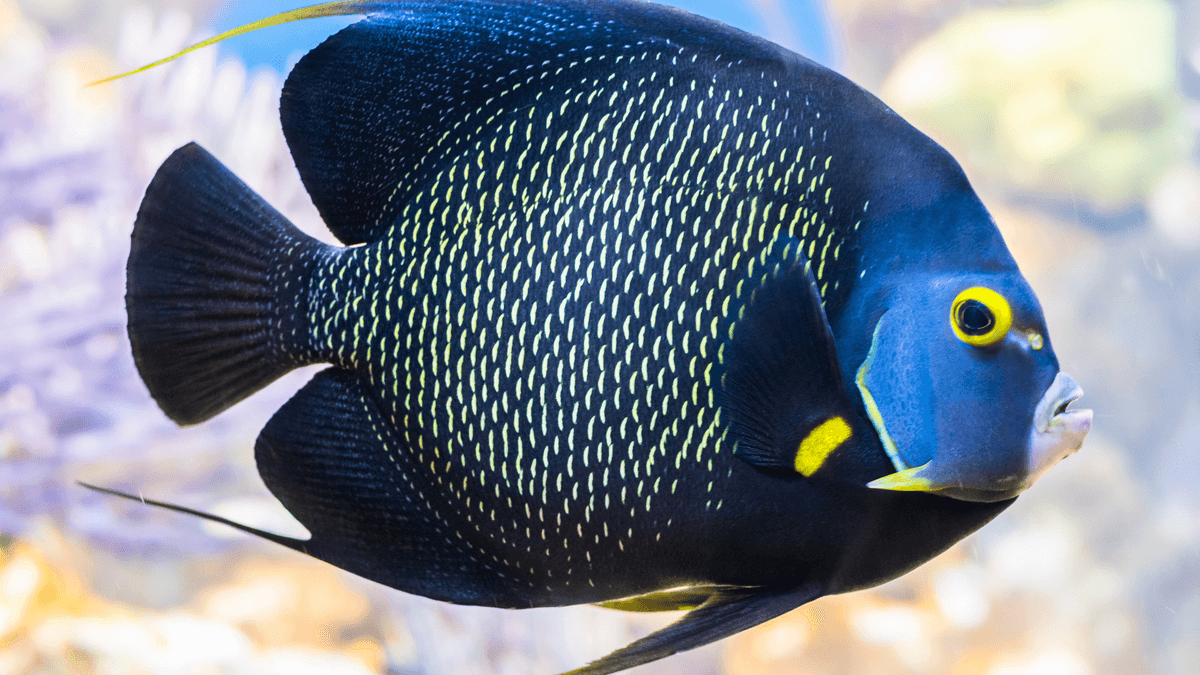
1076	121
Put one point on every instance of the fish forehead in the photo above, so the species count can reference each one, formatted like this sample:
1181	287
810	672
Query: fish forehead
542	320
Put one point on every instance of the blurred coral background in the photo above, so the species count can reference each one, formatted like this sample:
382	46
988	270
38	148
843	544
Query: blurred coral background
1076	121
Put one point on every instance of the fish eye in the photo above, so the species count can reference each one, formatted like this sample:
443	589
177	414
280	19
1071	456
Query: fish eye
974	318
980	316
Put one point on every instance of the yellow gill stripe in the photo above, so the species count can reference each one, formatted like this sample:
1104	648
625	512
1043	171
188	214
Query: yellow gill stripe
340	8
820	443
860	379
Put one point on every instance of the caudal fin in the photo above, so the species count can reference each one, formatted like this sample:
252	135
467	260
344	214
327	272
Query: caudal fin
206	259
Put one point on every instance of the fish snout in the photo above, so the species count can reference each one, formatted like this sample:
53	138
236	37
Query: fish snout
1058	431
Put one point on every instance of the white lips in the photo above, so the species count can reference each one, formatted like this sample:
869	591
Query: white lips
1057	432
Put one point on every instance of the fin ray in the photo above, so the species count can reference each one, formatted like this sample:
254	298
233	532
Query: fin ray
290	542
340	8
724	613
369	112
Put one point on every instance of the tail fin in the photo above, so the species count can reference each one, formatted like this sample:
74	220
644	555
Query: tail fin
200	287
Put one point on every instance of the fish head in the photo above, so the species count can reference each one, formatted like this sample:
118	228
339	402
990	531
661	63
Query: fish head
964	389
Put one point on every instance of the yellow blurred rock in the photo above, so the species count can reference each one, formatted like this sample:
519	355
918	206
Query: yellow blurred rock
300	603
117	642
273	617
31	589
1069	100
961	595
912	625
19	581
293	661
782	639
1046	661
10	17
16	659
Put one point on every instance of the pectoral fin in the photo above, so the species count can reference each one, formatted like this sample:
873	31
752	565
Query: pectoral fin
724	613
780	387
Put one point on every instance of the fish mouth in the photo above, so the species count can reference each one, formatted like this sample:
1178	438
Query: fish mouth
1058	430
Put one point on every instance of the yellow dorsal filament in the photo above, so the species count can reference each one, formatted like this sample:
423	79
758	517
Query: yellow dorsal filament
820	443
340	8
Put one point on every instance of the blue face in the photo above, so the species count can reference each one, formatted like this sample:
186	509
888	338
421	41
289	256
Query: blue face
959	368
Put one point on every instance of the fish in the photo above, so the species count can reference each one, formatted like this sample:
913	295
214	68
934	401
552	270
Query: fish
630	308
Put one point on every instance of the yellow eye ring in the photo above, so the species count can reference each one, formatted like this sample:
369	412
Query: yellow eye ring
980	316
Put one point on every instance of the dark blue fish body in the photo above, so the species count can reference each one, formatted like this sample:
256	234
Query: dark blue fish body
641	303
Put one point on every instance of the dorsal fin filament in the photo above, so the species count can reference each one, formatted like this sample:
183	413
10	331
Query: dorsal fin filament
327	9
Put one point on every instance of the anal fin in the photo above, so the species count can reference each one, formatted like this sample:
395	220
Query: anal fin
335	462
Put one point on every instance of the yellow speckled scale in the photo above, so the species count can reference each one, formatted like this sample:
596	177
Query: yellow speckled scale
560	311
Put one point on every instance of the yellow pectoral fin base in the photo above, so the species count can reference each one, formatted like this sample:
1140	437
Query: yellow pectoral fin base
341	8
908	480
820	443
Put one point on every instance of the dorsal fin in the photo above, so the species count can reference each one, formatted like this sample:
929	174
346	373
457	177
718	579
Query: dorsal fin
364	109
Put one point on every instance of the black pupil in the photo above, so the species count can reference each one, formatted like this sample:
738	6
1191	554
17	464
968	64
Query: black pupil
975	318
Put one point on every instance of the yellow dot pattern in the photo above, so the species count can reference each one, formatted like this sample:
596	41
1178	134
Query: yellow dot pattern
542	320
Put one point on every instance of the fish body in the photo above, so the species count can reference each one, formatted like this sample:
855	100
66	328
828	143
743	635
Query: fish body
629	301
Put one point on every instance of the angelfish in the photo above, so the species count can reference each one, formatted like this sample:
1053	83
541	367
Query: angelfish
633	308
